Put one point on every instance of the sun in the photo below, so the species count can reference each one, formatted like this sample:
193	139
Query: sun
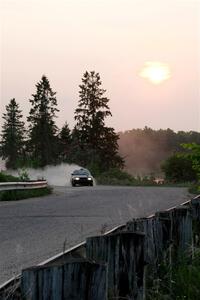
155	72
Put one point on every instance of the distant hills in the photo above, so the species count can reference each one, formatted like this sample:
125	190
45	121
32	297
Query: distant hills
144	150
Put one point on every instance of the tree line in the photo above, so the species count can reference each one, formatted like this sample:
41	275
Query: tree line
90	143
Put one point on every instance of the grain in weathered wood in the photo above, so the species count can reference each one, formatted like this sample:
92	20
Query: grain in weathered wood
78	279
195	206
177	231
123	252
153	236
181	230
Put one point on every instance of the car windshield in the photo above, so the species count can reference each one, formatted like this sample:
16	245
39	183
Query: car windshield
81	172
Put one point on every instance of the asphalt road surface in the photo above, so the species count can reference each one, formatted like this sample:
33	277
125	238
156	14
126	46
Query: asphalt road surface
35	229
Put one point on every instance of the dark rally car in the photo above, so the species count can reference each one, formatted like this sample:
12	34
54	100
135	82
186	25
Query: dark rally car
81	177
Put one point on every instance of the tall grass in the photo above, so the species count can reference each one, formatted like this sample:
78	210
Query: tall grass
8	178
180	281
24	194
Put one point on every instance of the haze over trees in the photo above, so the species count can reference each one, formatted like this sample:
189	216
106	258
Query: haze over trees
145	150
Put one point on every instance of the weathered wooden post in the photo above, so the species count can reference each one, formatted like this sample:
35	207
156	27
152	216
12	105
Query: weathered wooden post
181	230
195	206
165	223
176	230
152	240
168	235
156	243
124	254
76	279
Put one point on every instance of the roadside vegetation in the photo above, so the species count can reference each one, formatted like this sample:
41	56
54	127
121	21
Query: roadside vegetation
120	177
20	194
24	194
8	178
178	282
184	166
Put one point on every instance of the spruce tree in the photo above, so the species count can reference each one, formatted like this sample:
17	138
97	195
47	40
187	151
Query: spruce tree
43	130
12	136
65	141
97	143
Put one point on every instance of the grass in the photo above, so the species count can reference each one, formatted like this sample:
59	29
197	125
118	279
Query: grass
122	178
8	178
179	282
194	189
24	194
118	177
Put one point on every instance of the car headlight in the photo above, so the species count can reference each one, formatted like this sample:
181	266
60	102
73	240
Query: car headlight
77	178
89	178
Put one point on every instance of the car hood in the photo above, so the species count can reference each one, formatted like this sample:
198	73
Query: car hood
81	176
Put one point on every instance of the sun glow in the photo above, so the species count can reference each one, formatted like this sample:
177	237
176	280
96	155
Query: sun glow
156	72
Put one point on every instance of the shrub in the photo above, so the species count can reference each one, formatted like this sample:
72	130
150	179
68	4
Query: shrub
179	168
115	177
179	281
8	178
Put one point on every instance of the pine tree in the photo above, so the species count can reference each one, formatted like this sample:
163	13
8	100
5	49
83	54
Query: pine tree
97	143
12	137
43	143
65	141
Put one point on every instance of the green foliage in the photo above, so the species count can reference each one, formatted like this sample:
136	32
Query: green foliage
93	142
12	137
118	177
194	155
179	168
194	189
24	194
65	143
177	282
43	131
8	178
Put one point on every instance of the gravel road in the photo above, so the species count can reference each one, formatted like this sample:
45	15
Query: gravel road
35	229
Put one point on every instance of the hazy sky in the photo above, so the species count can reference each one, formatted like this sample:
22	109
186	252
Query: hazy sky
64	38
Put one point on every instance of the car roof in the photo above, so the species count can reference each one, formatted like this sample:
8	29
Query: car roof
81	172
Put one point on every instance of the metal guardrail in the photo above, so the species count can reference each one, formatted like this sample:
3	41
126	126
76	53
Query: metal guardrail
29	185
